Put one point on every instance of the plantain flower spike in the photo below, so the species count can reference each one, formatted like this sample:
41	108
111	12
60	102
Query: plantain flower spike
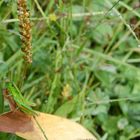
25	30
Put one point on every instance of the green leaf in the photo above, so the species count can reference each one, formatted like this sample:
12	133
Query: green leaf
110	125
65	109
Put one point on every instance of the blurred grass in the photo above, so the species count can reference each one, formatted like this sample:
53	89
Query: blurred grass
86	64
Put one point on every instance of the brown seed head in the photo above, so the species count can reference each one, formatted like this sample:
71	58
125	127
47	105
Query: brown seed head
25	29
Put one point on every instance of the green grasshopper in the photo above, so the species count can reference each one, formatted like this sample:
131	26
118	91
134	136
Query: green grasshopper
23	104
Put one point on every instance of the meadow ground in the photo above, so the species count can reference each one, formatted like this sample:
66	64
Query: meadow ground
86	63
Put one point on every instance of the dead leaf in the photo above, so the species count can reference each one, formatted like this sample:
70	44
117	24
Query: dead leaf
15	121
54	127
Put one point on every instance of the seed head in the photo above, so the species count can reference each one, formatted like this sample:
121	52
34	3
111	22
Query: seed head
25	29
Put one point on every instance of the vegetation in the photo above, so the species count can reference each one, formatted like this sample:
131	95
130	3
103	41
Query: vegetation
85	66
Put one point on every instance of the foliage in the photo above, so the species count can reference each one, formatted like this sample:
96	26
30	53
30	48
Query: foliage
84	67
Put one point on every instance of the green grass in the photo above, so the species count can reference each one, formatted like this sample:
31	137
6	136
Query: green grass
86	68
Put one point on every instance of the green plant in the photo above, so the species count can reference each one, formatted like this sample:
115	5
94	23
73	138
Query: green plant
95	53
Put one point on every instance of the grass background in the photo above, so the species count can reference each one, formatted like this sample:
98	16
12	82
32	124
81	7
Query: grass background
85	64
